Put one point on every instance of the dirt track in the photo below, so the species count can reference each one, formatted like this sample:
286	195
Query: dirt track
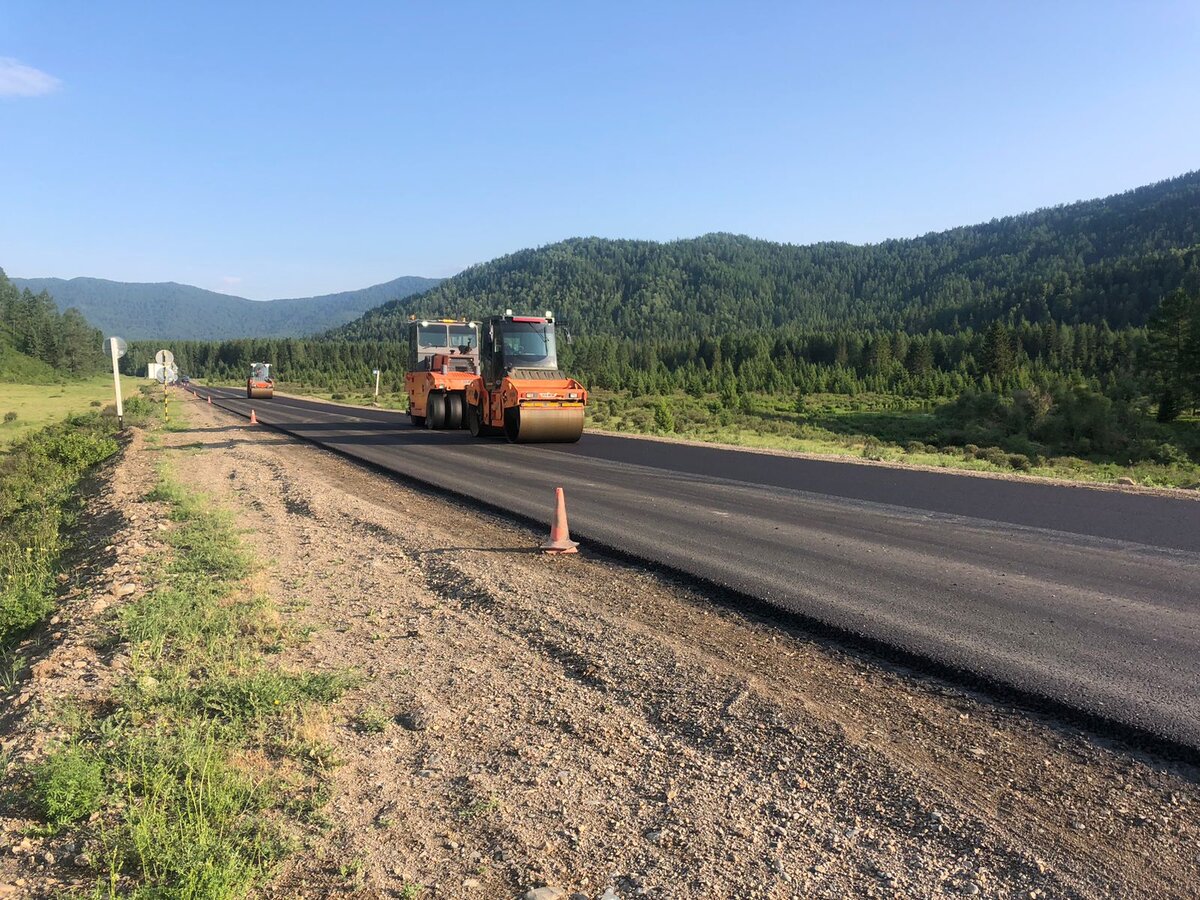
587	725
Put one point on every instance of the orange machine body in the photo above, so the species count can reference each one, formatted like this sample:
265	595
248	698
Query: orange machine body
520	391
443	362
261	384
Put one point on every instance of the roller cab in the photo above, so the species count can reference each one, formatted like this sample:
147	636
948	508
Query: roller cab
443	359
261	384
520	391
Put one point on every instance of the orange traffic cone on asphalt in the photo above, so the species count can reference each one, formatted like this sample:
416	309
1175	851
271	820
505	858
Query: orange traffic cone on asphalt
560	536
210	399
253	418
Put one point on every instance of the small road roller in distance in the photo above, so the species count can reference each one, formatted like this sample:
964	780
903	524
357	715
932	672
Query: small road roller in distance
261	384
520	391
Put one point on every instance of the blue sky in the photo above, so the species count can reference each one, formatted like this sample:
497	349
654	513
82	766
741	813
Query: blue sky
293	149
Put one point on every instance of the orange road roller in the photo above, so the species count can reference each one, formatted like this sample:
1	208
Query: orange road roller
443	358
260	385
520	391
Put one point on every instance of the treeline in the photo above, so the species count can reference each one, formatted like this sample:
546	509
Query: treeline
31	325
933	364
1108	260
306	362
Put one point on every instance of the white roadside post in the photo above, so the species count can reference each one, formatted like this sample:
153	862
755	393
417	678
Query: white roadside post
375	372
116	347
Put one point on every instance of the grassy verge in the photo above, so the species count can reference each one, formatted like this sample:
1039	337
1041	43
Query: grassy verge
38	504
191	780
25	408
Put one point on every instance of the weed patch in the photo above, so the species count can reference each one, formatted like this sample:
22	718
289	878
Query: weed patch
38	483
208	762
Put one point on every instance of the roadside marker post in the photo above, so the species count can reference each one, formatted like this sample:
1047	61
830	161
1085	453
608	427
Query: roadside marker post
116	347
376	373
166	359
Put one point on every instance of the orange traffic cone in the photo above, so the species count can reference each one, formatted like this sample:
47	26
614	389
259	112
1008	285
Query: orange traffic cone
560	537
253	418
210	399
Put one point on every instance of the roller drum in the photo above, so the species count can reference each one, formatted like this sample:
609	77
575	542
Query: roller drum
260	393
544	425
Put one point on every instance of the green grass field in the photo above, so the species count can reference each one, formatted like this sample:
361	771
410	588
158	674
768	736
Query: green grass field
38	405
871	426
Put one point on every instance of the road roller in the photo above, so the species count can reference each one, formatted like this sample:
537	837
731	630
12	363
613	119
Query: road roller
520	391
443	359
260	385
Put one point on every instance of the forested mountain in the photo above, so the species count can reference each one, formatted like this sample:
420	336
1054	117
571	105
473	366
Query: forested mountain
1099	261
179	311
38	343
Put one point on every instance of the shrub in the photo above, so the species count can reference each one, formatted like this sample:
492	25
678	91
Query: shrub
37	479
1020	462
81	449
995	456
1170	454
664	420
914	447
68	784
10	417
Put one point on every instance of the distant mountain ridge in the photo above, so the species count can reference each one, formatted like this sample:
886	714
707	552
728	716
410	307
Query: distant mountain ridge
1105	261
171	311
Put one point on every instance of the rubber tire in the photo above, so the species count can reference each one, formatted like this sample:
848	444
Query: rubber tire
512	423
475	424
435	411
417	421
454	411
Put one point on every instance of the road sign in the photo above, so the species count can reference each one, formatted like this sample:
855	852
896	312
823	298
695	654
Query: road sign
167	374
164	358
118	343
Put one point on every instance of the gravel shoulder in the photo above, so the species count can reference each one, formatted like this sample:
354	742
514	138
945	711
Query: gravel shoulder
588	725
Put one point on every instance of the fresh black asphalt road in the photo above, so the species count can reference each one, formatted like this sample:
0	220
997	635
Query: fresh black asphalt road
1086	598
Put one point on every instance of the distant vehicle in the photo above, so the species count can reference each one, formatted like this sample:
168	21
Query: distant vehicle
183	379
260	385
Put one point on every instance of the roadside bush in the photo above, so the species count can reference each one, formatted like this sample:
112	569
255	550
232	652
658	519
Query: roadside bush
9	417
664	420
37	481
1171	455
68	785
914	447
995	456
137	410
1020	462
970	451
